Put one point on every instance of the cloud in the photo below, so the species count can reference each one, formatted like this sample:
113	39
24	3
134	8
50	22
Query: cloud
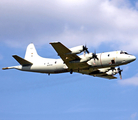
133	116
1	57
130	81
70	21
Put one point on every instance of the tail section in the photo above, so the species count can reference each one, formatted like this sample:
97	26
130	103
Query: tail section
20	60
31	53
30	57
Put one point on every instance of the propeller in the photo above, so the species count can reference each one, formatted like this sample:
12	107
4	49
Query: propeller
119	71
85	49
94	56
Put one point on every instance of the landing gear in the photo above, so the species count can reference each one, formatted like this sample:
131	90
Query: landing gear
71	71
48	73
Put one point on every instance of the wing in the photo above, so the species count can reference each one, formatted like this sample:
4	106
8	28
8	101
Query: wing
71	60
103	76
107	76
97	73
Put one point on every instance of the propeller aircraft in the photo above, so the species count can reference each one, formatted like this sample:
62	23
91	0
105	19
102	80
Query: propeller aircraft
104	65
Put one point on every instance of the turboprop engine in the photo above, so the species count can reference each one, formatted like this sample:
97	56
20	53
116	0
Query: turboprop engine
85	58
115	71
112	72
78	49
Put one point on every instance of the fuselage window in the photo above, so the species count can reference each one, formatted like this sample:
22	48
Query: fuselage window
108	55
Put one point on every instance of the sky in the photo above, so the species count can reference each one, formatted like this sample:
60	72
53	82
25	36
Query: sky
104	25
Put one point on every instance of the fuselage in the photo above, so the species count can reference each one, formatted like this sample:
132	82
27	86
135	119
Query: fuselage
107	59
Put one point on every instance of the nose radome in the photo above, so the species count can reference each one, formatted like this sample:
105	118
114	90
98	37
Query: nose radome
133	58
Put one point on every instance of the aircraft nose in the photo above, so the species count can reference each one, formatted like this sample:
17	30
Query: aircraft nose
129	58
133	58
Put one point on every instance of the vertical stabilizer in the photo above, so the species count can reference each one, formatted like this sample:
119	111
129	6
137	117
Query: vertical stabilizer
31	53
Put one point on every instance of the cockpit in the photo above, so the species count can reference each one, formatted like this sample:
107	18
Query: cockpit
124	52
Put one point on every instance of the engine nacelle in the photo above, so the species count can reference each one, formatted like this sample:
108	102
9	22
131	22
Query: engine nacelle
85	58
112	72
103	70
76	50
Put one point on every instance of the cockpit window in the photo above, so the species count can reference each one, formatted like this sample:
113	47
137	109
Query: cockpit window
122	52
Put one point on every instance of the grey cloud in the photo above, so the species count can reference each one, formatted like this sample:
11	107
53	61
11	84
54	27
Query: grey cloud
92	22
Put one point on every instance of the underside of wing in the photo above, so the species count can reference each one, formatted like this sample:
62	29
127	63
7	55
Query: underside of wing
106	76
71	60
98	73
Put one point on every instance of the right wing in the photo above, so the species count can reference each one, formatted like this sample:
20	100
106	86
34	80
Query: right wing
69	59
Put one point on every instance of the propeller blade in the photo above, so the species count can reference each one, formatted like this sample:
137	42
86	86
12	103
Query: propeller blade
94	56
85	49
120	71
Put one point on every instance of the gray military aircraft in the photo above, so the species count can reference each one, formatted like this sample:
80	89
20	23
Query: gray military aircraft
103	65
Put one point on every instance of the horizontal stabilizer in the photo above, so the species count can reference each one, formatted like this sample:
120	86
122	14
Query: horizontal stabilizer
22	61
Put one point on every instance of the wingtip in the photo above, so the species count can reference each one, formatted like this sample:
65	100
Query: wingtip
54	42
14	55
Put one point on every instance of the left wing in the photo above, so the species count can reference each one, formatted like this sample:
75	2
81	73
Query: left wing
69	59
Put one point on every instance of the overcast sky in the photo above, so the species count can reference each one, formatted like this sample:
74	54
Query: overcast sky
104	25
